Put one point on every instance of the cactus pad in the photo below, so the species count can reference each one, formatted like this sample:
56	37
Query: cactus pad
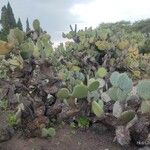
63	93
97	109
80	91
143	89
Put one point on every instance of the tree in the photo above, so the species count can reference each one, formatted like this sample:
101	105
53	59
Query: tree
19	24
7	21
4	23
4	18
11	18
27	25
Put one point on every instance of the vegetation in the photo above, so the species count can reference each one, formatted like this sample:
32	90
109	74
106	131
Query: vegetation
100	77
8	21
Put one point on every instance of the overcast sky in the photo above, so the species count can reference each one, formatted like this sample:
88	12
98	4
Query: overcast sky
56	15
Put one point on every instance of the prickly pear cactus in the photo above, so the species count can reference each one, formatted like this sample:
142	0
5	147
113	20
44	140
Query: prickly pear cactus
116	94
15	62
132	58
80	91
143	89
97	108
36	25
36	52
144	65
122	81
5	47
145	107
44	46
125	83
93	85
112	92
103	45
102	72
114	78
122	86
16	36
26	50
123	44
63	93
126	117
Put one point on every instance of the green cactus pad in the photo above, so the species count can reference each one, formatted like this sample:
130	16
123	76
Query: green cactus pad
125	83
80	91
145	107
36	24
102	72
26	50
48	50
93	85
112	92
114	78
63	93
97	109
121	95
16	36
116	94
75	68
50	132
36	52
101	103
25	54
126	116
143	89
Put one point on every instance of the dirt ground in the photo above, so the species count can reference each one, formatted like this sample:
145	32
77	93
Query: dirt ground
65	139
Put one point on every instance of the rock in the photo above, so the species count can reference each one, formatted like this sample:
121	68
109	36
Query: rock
144	148
133	102
99	128
6	134
140	131
108	107
32	128
123	135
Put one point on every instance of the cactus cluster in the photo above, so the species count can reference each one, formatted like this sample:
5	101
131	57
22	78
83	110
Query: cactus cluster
144	65
143	89
97	109
16	36
121	86
79	91
35	43
121	45
81	80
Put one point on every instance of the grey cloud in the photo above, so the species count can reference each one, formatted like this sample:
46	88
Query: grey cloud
54	15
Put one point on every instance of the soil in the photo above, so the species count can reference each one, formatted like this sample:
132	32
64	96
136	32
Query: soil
65	140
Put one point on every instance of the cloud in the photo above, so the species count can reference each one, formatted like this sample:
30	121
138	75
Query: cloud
98	11
54	15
